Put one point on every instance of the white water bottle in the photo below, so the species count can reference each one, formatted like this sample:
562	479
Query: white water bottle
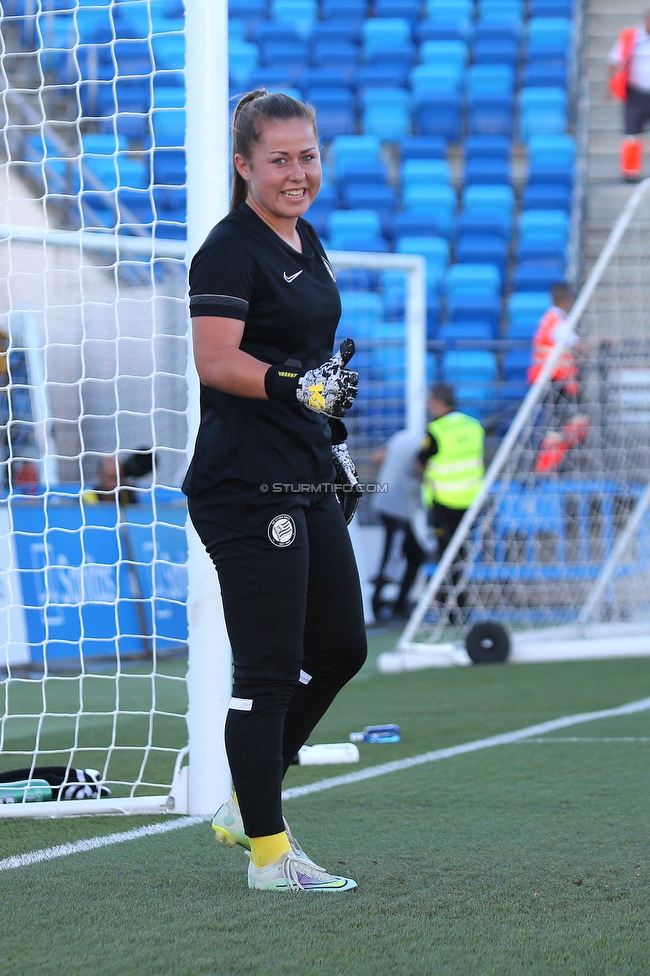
330	752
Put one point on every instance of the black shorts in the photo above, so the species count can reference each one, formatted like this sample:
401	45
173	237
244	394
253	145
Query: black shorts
636	111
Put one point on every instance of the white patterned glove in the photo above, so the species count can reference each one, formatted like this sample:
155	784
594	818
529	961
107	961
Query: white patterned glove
348	489
330	388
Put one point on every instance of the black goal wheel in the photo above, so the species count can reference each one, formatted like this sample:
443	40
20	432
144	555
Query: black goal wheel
488	643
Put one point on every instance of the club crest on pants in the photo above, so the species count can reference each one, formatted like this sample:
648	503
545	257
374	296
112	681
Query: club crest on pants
282	531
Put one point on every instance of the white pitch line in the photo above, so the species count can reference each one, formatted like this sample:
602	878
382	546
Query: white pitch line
505	738
586	738
92	843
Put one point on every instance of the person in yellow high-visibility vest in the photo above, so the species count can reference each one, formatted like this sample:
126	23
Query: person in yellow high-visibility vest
451	457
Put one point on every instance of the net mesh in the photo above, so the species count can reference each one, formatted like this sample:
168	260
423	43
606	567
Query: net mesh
550	524
93	362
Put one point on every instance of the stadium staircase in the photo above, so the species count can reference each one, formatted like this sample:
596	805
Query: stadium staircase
606	193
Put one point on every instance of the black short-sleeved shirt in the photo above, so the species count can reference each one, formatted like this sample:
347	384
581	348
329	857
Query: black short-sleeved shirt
290	305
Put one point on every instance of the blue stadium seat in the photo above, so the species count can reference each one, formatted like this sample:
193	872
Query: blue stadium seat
361	172
292	54
332	53
515	365
407	224
386	40
435	251
344	9
271	77
545	74
481	219
357	148
492	51
490	95
501	8
478	248
355	230
476	331
463	307
243	58
445	26
386	112
409	9
551	8
168	52
548	37
449	6
381	199
538	275
94	25
270	31
495	27
168	97
332	77
425	172
422	147
302	13
525	309
361	313
435	79
335	32
488	147
469	366
543	111
447	52
499	199
132	57
486	171
169	167
250	11
438	200
379	76
335	108
479	280
547	196
440	116
169	127
236	30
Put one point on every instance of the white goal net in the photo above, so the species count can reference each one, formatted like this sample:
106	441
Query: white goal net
555	549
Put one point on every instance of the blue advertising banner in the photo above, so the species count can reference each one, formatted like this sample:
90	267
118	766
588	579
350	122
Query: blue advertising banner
97	579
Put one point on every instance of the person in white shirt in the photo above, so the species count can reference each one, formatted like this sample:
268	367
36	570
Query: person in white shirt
629	81
398	508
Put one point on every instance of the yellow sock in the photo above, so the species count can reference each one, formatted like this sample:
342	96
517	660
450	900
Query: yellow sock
234	796
266	850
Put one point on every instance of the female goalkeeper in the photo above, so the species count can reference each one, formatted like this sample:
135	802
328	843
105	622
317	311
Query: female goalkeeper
265	307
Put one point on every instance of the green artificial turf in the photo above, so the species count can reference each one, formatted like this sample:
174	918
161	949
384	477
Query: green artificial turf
522	860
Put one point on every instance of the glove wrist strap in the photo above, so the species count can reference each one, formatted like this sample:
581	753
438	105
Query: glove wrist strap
281	382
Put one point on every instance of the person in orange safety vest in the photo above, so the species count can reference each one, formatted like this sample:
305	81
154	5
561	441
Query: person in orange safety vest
566	431
629	82
545	340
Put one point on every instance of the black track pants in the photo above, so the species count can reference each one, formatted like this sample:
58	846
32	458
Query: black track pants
294	614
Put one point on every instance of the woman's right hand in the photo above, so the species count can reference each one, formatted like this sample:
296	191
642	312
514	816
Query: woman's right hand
330	388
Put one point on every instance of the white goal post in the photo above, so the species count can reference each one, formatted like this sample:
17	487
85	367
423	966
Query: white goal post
555	547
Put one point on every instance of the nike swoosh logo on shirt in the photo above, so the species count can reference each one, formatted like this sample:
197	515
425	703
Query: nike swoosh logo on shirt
292	277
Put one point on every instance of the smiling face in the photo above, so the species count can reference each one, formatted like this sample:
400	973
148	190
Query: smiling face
283	174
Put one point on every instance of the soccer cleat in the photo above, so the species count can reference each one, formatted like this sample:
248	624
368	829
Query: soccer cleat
228	827
229	830
293	873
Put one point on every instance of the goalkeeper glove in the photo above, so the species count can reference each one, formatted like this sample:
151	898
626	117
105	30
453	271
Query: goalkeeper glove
348	489
329	389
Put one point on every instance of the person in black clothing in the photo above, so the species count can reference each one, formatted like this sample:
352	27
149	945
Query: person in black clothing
265	307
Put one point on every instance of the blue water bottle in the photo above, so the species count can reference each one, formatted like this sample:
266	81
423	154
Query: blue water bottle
377	733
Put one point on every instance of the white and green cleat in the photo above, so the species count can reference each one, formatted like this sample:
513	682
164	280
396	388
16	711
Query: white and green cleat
228	826
229	830
294	874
